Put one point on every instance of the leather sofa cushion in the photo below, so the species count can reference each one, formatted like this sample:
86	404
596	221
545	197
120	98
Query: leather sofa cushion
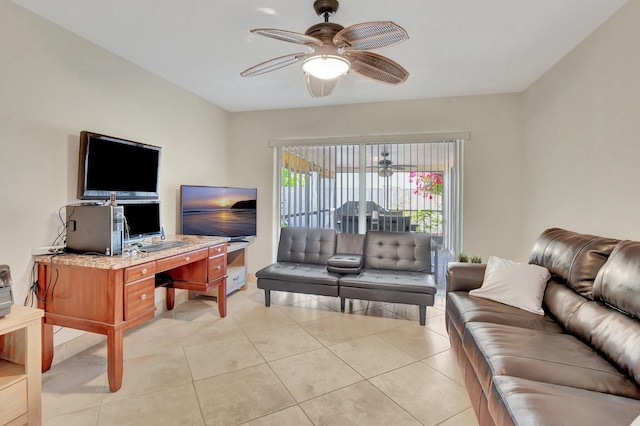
350	243
614	334
416	282
574	257
618	282
402	251
463	308
514	400
561	301
302	272
306	245
562	359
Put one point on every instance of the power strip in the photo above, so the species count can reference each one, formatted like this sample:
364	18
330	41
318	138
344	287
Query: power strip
39	251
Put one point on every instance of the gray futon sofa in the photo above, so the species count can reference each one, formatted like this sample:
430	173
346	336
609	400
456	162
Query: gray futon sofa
382	266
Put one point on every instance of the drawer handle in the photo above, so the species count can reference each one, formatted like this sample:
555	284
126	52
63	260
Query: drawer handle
219	268
187	258
143	296
219	249
144	271
236	278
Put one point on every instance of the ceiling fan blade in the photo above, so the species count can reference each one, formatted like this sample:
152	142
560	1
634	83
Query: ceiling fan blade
288	36
377	67
273	64
403	166
319	87
370	35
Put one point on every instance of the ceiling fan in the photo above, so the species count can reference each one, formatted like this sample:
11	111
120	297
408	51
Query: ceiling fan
334	50
386	167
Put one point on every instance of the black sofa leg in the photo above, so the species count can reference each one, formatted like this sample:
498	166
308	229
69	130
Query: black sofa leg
267	298
423	314
342	300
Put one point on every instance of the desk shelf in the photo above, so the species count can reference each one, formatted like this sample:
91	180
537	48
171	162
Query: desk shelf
236	266
10	373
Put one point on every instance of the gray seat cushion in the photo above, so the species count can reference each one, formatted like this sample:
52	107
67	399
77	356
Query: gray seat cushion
305	273
407	281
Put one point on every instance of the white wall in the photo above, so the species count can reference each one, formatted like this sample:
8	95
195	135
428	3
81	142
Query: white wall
493	197
54	85
561	154
581	124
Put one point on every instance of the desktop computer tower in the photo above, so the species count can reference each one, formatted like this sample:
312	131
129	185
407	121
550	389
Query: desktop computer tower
95	229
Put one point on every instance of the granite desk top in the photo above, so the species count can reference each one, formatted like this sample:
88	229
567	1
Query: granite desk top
195	242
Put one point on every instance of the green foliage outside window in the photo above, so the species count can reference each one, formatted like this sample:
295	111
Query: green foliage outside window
289	178
427	220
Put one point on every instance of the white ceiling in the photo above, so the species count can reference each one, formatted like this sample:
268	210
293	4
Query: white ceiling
456	47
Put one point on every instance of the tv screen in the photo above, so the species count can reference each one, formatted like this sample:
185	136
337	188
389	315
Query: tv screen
218	211
142	220
108	164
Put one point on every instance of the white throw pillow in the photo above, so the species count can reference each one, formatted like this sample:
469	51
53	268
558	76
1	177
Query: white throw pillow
514	284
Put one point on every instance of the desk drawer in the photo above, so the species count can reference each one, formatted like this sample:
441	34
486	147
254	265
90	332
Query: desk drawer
217	250
139	271
139	297
14	401
237	277
217	267
180	260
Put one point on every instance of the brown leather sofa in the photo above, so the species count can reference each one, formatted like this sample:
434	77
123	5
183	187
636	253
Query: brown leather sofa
579	364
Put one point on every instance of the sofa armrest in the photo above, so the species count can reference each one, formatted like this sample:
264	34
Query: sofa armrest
341	263
465	276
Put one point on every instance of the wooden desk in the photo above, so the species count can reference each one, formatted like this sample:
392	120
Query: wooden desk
111	294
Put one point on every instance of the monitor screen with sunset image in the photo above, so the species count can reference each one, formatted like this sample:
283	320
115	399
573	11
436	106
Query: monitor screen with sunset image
218	211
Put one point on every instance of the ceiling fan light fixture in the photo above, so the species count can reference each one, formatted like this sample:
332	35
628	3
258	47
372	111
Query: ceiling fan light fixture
326	67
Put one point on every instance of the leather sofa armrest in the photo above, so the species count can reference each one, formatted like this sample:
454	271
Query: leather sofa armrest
465	276
342	263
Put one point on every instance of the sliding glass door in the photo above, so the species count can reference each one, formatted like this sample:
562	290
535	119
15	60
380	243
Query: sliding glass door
400	187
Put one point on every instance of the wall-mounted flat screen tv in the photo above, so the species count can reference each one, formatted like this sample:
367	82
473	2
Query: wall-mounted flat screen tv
218	211
108	164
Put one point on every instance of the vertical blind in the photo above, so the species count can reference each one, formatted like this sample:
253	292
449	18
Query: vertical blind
404	187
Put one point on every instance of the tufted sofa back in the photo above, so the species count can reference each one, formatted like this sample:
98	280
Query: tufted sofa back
306	245
407	251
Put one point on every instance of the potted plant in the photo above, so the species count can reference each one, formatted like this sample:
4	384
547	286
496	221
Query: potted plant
462	257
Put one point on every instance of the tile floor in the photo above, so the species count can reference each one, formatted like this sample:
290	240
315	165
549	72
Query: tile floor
299	362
